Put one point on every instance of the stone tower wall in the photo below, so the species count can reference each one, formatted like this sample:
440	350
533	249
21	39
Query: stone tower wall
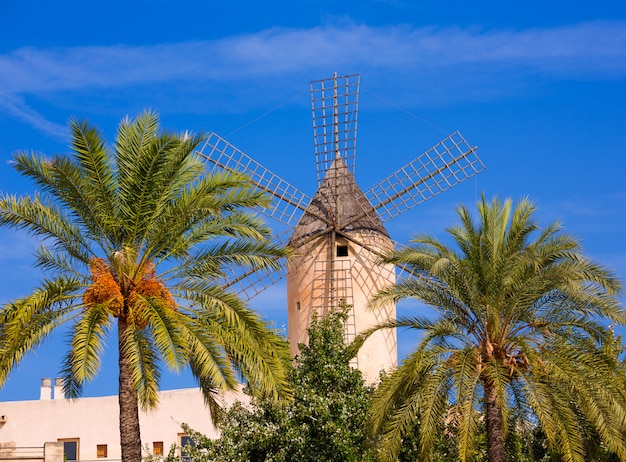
356	278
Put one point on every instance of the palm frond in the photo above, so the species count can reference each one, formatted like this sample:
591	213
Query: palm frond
86	346
252	348
59	263
529	312
467	384
435	392
45	221
26	322
402	382
164	325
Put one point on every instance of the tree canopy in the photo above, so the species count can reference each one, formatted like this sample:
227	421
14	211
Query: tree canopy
324	422
135	239
520	319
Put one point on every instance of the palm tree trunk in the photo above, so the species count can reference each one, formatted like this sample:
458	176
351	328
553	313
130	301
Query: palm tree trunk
130	436
495	426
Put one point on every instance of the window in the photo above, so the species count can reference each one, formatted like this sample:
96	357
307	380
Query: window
157	448
342	250
185	440
71	448
101	451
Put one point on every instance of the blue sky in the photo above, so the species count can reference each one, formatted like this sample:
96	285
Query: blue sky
540	87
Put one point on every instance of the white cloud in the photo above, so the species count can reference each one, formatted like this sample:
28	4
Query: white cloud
596	216
243	71
14	105
594	48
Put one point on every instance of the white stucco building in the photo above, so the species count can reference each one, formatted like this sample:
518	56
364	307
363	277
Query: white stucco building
89	427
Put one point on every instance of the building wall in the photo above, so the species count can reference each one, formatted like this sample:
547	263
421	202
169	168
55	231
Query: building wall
95	421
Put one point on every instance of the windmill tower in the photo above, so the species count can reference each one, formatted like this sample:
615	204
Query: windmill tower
338	234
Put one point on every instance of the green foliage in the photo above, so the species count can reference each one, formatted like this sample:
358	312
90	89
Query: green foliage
519	337
323	423
138	237
171	456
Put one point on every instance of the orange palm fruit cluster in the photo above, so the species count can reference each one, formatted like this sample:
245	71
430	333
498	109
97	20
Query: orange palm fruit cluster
104	287
148	287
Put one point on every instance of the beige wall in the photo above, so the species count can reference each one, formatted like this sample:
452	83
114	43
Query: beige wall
95	421
357	277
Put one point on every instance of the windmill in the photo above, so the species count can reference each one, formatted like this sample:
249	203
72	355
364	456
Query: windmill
338	234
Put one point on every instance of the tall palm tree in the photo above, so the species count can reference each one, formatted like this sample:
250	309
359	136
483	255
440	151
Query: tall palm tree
519	320
135	240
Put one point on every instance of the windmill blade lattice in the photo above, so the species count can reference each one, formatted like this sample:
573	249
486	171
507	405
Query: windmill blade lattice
287	206
446	164
334	104
337	236
289	202
249	284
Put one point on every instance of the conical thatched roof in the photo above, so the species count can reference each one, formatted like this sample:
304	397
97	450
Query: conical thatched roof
339	200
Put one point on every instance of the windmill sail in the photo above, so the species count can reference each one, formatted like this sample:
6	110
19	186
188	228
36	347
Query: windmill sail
448	163
288	201
338	236
335	103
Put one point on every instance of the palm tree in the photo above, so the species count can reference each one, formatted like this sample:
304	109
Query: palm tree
520	319
135	239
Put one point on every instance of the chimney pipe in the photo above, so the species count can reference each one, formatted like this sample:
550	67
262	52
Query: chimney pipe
58	389
46	389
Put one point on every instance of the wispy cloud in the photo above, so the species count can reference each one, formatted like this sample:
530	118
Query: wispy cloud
14	105
281	56
595	48
589	214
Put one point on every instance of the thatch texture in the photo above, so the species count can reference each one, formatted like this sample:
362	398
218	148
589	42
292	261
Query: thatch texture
339	201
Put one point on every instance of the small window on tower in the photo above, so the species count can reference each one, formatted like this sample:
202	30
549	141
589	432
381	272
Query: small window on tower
342	250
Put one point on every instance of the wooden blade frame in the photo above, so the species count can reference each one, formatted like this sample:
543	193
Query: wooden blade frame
289	202
446	164
334	105
335	110
287	206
